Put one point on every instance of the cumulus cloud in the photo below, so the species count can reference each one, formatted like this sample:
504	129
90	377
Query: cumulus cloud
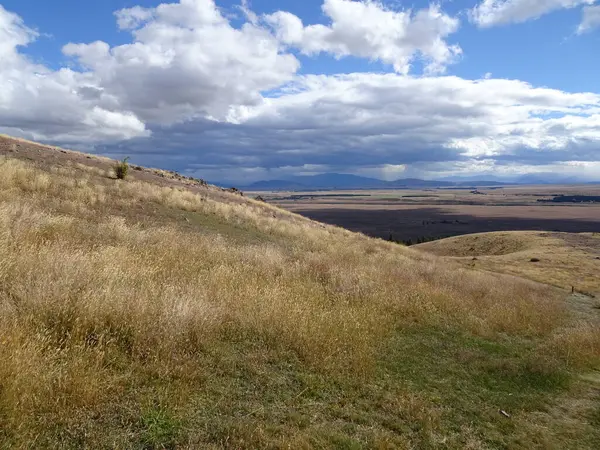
368	29
194	93
48	105
185	61
365	123
13	33
491	13
591	19
131	18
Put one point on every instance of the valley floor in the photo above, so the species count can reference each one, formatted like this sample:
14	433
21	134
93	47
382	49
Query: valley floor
427	214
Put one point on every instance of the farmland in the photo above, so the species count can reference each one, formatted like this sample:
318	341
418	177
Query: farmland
439	213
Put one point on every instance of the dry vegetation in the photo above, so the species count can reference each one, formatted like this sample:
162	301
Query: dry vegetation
566	260
134	315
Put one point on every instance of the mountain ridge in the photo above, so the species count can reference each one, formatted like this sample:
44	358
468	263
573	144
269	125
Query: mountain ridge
337	181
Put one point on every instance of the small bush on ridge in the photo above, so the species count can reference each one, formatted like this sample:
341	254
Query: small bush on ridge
122	168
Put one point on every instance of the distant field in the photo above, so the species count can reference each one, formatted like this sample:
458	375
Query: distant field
439	213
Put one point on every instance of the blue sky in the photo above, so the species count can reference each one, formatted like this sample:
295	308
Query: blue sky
241	91
538	51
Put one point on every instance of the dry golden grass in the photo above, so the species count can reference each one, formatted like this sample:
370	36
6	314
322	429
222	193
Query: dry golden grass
139	316
566	260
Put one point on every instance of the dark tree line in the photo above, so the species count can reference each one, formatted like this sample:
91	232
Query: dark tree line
409	242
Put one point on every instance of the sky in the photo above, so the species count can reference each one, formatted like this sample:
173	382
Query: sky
244	90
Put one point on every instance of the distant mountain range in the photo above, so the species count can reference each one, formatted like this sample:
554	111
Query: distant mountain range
337	181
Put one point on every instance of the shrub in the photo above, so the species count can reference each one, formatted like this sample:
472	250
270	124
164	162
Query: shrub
121	168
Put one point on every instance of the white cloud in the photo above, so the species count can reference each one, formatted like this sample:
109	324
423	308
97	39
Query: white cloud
250	15
131	18
367	29
39	103
591	19
362	123
187	66
491	13
13	33
186	61
481	117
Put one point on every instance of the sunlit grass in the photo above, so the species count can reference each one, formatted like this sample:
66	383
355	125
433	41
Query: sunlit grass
123	324
559	259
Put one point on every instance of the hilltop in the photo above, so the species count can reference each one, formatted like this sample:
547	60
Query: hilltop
161	312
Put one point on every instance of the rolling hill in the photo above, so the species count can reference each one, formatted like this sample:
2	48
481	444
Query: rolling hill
162	312
566	260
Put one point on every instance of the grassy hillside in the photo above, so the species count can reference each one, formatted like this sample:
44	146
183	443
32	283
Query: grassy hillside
156	312
566	260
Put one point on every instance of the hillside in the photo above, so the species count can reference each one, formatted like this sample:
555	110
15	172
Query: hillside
566	260
160	312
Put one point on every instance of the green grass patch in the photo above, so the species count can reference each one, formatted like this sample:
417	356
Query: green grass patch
473	379
160	429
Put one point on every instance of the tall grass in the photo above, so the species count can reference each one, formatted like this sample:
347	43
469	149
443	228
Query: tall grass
97	299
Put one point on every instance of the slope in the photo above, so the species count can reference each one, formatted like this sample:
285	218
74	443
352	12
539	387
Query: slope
158	312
